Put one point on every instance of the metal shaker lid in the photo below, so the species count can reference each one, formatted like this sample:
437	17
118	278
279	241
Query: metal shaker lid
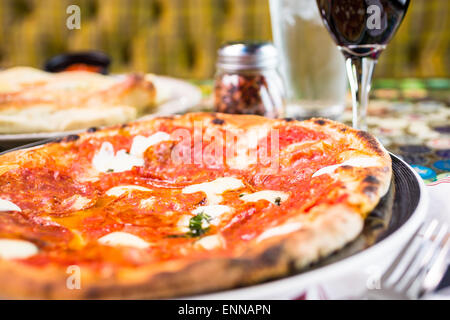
247	55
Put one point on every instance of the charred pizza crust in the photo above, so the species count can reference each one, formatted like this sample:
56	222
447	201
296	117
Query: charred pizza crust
325	229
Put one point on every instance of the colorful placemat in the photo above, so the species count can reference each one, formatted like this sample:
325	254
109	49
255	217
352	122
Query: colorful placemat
412	120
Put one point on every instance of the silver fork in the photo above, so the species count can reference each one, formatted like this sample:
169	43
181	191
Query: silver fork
418	268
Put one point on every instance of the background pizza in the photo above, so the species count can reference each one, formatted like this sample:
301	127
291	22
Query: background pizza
181	205
32	100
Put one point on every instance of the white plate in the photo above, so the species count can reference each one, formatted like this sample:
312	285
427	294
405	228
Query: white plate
175	96
178	95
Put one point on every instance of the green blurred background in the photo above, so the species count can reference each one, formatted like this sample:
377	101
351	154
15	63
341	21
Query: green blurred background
180	37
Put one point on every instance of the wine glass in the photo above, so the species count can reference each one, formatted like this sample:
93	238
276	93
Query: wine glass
361	29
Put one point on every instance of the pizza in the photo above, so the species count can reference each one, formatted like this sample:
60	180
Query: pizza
181	205
32	100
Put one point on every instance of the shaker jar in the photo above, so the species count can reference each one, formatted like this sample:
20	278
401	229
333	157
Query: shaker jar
247	80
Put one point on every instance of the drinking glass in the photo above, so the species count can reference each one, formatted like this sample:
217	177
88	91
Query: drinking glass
361	29
312	67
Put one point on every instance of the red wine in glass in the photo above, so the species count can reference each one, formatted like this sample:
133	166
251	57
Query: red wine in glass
361	29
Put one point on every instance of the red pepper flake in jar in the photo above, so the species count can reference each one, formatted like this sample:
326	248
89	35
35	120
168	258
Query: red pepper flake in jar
247	81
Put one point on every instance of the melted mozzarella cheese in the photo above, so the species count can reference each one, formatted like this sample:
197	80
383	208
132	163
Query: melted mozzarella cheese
183	223
141	143
120	190
17	249
147	203
268	195
214	189
279	230
6	205
78	202
105	159
213	211
210	242
361	162
123	239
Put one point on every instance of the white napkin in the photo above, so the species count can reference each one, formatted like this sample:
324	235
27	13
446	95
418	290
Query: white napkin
439	208
439	193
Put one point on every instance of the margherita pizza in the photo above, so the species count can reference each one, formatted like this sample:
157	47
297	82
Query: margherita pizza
181	205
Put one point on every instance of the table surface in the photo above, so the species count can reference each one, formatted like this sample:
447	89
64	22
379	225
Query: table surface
410	117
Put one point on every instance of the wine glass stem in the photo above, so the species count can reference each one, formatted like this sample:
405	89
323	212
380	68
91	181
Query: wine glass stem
359	72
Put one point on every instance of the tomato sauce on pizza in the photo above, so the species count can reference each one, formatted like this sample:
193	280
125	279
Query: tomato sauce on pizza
169	190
